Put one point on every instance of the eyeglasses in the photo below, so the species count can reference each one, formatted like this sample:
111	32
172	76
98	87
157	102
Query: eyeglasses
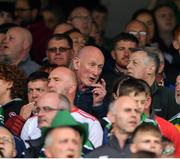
135	33
22	9
60	49
45	109
5	140
86	18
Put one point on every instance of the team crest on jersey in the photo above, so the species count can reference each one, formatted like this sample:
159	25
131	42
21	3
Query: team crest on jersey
11	114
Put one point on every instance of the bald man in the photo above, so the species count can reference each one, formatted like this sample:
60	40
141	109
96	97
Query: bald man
16	48
90	95
63	81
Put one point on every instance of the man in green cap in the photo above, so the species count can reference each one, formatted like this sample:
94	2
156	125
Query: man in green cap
65	137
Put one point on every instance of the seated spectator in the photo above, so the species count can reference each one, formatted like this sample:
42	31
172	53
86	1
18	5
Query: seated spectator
16	50
125	117
147	137
59	50
91	90
144	64
65	128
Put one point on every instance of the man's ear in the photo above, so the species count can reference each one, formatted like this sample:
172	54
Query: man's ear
151	69
148	103
14	153
76	63
113	54
175	44
133	148
111	117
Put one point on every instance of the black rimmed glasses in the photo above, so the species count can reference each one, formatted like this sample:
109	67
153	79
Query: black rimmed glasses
60	49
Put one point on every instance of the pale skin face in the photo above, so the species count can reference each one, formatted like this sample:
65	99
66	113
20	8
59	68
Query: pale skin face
81	19
65	143
59	58
51	100
36	89
126	115
177	93
13	46
89	66
136	26
7	148
148	142
136	66
165	19
141	100
122	52
59	81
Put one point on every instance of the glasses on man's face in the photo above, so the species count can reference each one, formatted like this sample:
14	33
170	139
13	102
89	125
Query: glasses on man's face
60	49
135	33
22	9
6	140
86	18
45	109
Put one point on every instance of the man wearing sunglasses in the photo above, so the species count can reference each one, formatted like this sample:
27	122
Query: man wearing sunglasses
59	50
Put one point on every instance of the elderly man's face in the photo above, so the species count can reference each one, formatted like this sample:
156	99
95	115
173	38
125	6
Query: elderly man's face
89	68
136	66
65	143
12	46
7	147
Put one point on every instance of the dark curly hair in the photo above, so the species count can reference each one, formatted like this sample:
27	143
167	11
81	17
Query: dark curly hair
13	74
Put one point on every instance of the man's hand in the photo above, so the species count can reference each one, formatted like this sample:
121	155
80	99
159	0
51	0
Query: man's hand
26	110
99	92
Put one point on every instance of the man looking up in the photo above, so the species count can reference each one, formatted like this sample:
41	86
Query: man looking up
16	49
